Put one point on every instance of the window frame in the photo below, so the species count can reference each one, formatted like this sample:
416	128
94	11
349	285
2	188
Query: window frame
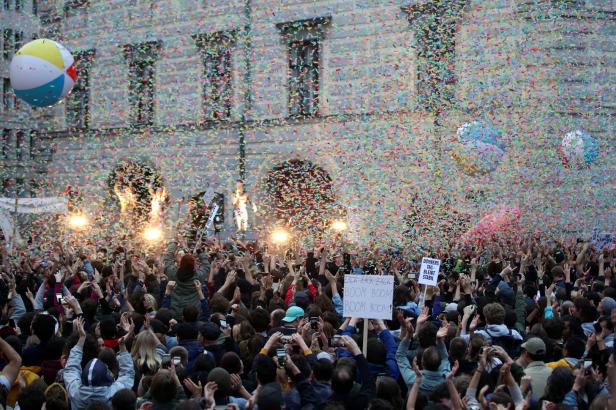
142	58
300	91
218	92
80	95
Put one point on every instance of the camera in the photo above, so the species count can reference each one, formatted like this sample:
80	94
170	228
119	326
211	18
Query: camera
282	356
314	323
166	361
286	339
336	341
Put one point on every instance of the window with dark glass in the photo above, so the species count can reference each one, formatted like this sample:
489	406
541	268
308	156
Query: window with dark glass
18	4
8	98
6	139
19	40
304	41
19	143
32	148
435	23
20	187
216	51
6	186
35	7
142	76
7	4
7	44
78	102
304	77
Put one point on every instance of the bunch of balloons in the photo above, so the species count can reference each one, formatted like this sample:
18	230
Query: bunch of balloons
480	148
578	149
42	72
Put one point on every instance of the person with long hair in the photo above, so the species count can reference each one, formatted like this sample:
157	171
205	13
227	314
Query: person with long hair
147	353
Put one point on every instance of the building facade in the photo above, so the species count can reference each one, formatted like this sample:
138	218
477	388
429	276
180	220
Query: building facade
369	91
22	170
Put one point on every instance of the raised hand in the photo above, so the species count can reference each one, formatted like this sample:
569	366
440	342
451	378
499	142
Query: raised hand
78	327
194	389
170	287
442	332
474	323
418	374
454	370
208	394
423	317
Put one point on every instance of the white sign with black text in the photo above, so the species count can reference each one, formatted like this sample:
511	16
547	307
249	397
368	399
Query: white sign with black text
368	296
428	274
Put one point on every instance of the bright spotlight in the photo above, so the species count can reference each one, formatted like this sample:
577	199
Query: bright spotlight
77	222
339	226
280	236
152	234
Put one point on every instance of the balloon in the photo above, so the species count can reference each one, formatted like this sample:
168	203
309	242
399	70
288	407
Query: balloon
480	148
42	72
578	149
480	131
503	222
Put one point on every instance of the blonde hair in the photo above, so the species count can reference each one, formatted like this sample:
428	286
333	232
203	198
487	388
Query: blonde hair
144	352
150	300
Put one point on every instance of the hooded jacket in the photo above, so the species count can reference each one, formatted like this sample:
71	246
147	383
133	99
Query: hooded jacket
184	294
83	387
494	331
430	379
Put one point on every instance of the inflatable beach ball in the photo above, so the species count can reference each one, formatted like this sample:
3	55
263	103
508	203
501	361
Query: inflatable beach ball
578	149
42	72
479	131
479	149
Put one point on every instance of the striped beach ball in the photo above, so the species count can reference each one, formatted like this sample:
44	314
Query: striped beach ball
42	72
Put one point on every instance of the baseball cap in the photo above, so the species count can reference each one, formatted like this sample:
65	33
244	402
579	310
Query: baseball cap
293	313
301	299
534	345
451	307
209	331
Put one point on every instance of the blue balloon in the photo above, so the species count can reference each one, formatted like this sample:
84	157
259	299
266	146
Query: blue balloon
478	131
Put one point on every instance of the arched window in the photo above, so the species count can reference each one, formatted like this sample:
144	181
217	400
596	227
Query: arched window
136	178
300	194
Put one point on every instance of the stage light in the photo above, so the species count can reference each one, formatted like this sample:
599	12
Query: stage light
153	234
339	226
77	222
280	236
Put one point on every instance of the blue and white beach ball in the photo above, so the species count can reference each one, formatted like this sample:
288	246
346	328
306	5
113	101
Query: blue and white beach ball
42	72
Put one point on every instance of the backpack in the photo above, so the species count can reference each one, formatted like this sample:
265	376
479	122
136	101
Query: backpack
510	344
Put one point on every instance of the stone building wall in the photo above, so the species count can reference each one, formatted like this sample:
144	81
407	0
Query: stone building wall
536	69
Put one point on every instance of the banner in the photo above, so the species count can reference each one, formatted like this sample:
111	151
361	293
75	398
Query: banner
6	225
26	206
34	205
210	220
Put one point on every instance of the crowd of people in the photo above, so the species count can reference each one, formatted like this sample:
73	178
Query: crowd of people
212	325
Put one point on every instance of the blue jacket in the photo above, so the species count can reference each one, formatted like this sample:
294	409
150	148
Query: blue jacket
81	395
194	349
390	360
430	379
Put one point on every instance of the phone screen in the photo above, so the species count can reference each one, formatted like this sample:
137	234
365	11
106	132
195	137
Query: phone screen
223	324
166	360
59	297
